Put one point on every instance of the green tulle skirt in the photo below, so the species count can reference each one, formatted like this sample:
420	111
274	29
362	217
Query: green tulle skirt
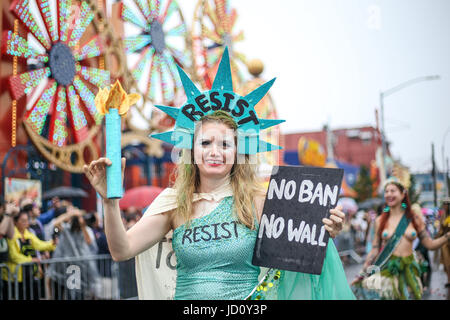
331	284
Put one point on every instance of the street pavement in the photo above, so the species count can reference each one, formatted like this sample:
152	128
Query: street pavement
438	280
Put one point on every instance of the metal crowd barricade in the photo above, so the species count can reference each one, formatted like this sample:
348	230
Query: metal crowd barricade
345	244
5	285
93	277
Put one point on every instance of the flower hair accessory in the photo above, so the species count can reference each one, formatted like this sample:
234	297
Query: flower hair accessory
394	180
220	97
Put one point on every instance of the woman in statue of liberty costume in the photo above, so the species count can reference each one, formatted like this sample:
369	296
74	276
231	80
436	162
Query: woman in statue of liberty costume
213	210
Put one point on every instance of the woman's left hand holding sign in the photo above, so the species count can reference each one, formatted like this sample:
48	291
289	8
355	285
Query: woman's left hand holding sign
336	221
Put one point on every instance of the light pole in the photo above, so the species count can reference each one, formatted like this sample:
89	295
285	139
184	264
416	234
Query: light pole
385	94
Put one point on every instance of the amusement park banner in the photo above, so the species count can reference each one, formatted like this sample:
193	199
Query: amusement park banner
16	188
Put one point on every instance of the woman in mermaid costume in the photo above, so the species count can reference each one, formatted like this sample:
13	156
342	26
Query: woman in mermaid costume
391	270
213	210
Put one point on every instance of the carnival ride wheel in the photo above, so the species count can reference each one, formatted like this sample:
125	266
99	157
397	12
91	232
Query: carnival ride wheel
212	31
61	118
156	38
265	109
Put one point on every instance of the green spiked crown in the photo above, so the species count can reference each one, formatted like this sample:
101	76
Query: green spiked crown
220	97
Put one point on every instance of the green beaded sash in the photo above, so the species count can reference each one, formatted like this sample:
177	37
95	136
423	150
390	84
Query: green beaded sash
390	246
267	286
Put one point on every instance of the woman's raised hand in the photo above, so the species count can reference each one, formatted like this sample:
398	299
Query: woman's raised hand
11	208
96	173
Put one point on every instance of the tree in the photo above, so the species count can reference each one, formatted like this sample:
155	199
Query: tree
412	191
363	185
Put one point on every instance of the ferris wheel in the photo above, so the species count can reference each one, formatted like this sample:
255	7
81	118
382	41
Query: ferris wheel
63	73
213	29
156	39
265	109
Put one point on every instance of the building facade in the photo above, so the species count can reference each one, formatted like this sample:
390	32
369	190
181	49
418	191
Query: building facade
354	146
425	185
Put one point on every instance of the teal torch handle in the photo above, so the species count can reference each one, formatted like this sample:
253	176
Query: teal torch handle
113	153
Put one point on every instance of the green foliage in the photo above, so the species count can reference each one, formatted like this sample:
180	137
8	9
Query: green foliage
363	185
412	191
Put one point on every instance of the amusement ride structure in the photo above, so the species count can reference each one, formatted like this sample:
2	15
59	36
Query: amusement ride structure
62	52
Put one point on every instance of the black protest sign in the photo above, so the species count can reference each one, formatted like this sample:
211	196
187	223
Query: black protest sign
291	234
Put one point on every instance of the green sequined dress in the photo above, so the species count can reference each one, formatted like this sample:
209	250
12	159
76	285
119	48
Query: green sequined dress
214	255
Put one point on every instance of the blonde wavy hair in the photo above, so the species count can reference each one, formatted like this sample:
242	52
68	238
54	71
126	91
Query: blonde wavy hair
243	180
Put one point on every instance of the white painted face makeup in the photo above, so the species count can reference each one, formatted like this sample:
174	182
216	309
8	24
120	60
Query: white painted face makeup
214	149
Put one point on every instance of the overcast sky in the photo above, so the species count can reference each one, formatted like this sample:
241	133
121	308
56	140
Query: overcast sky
333	57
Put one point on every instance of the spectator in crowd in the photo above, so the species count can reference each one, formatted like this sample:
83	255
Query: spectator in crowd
367	217
371	226
52	232
92	222
123	217
75	240
32	209
130	220
359	227
29	206
7	213
6	232
344	241
47	216
23	248
444	227
104	266
132	211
